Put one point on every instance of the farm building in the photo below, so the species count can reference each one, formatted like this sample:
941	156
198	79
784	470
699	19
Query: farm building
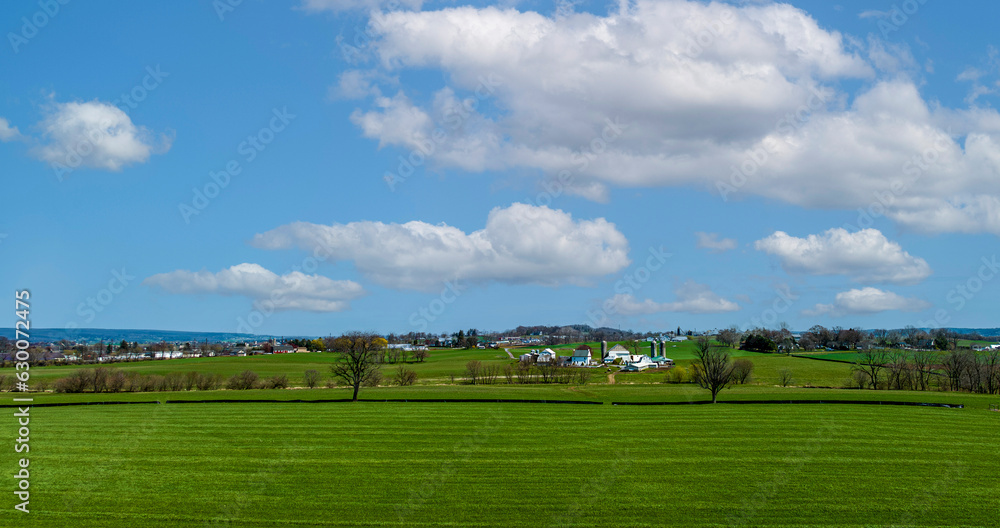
617	352
662	361
581	356
545	356
638	363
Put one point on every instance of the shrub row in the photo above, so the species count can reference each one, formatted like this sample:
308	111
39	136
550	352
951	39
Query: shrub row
105	379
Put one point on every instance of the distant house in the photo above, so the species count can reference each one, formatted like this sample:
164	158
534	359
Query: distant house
283	349
581	356
547	356
617	352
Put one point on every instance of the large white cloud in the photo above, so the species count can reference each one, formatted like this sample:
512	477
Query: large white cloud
709	95
95	134
691	298
866	256
867	301
519	244
292	291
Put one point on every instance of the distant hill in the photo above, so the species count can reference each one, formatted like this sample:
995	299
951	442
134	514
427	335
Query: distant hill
985	332
108	335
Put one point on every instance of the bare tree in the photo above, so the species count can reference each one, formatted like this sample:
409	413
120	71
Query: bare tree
922	367
717	369
730	336
898	370
490	374
785	377
991	371
311	378
474	372
405	376
508	372
957	366
872	362
523	372
742	370
358	358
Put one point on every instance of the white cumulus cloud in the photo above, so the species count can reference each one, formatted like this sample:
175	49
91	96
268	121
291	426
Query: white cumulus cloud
519	244
867	301
95	134
292	291
866	256
695	90
691	298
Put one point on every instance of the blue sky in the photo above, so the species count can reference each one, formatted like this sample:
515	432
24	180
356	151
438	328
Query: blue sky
522	199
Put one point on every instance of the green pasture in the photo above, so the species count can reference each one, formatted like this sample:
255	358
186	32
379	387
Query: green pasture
438	368
503	465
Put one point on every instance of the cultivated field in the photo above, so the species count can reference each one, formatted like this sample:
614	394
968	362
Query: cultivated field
490	464
378	463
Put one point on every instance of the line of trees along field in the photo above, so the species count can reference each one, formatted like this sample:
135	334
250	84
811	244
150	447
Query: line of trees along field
361	358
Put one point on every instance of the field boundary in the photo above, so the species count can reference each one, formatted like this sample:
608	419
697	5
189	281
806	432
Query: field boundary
338	400
501	400
814	358
71	404
856	402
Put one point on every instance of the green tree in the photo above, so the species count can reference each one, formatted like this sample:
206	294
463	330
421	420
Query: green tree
358	355
716	369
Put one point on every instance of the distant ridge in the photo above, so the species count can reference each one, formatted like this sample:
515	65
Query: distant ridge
93	335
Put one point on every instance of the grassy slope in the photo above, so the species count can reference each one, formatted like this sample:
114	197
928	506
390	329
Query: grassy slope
508	465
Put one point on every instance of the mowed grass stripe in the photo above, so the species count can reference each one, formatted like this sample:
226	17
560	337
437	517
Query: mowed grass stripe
512	465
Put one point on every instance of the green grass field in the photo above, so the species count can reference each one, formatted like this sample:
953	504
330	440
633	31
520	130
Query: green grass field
488	464
444	363
438	368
